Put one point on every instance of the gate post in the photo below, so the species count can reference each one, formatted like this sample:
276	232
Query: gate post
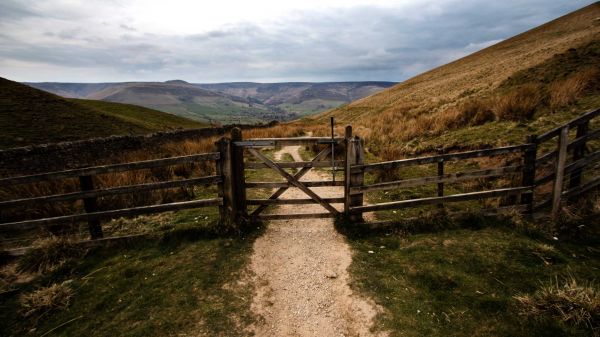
238	179
354	156
578	153
563	141
528	177
90	205
225	187
349	161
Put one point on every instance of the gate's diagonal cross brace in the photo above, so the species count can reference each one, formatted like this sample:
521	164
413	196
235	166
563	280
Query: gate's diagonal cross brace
323	154
293	181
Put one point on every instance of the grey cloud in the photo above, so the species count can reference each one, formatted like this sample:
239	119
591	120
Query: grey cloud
361	43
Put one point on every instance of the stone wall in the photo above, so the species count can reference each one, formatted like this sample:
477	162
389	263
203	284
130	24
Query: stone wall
68	155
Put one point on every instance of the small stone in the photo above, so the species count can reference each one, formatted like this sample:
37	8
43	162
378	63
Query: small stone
371	252
331	274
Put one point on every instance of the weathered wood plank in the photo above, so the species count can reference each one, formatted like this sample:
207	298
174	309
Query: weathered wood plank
440	185
238	178
267	217
578	190
260	184
224	188
529	167
293	180
549	156
95	170
262	142
545	179
356	179
394	164
559	174
112	191
295	164
581	163
90	205
29	224
578	153
575	122
320	156
444	178
291	201
437	200
350	159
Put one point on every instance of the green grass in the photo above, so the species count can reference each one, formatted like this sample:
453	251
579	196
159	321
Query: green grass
144	117
223	111
461	282
310	107
188	280
31	116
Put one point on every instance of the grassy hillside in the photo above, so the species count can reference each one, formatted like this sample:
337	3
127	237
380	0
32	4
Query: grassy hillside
302	98
247	102
31	116
176	97
147	118
520	83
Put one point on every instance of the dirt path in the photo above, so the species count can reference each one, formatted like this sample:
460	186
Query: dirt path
301	277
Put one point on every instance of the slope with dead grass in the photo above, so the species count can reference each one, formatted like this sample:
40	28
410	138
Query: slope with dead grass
543	72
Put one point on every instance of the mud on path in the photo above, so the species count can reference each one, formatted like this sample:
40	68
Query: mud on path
301	277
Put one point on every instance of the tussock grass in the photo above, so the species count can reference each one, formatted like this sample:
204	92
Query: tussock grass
43	300
519	104
568	91
48	254
576	303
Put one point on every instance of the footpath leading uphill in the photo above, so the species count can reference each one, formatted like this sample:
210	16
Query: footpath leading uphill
300	270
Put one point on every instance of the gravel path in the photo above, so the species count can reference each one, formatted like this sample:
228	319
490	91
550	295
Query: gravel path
300	269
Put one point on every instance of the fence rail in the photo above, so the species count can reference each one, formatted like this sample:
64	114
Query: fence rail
563	167
90	195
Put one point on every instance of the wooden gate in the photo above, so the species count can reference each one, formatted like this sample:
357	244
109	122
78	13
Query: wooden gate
250	149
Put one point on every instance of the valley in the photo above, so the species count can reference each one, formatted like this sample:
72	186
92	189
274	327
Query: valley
224	103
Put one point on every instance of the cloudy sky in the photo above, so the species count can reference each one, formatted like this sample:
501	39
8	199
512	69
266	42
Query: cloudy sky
253	40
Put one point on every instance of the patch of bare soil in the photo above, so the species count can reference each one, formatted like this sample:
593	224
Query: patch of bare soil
301	277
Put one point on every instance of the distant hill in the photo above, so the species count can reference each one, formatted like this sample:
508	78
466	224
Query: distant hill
302	98
523	85
31	116
224	102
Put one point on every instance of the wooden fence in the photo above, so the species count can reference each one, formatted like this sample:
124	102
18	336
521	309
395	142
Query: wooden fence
567	160
89	194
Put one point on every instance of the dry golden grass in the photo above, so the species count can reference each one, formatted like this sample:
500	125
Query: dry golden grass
573	302
48	254
567	91
519	104
467	92
42	300
479	73
118	179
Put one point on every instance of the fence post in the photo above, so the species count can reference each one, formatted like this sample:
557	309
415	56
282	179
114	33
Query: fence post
528	178
559	176
226	210
90	205
440	172
238	180
349	161
356	157
578	153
